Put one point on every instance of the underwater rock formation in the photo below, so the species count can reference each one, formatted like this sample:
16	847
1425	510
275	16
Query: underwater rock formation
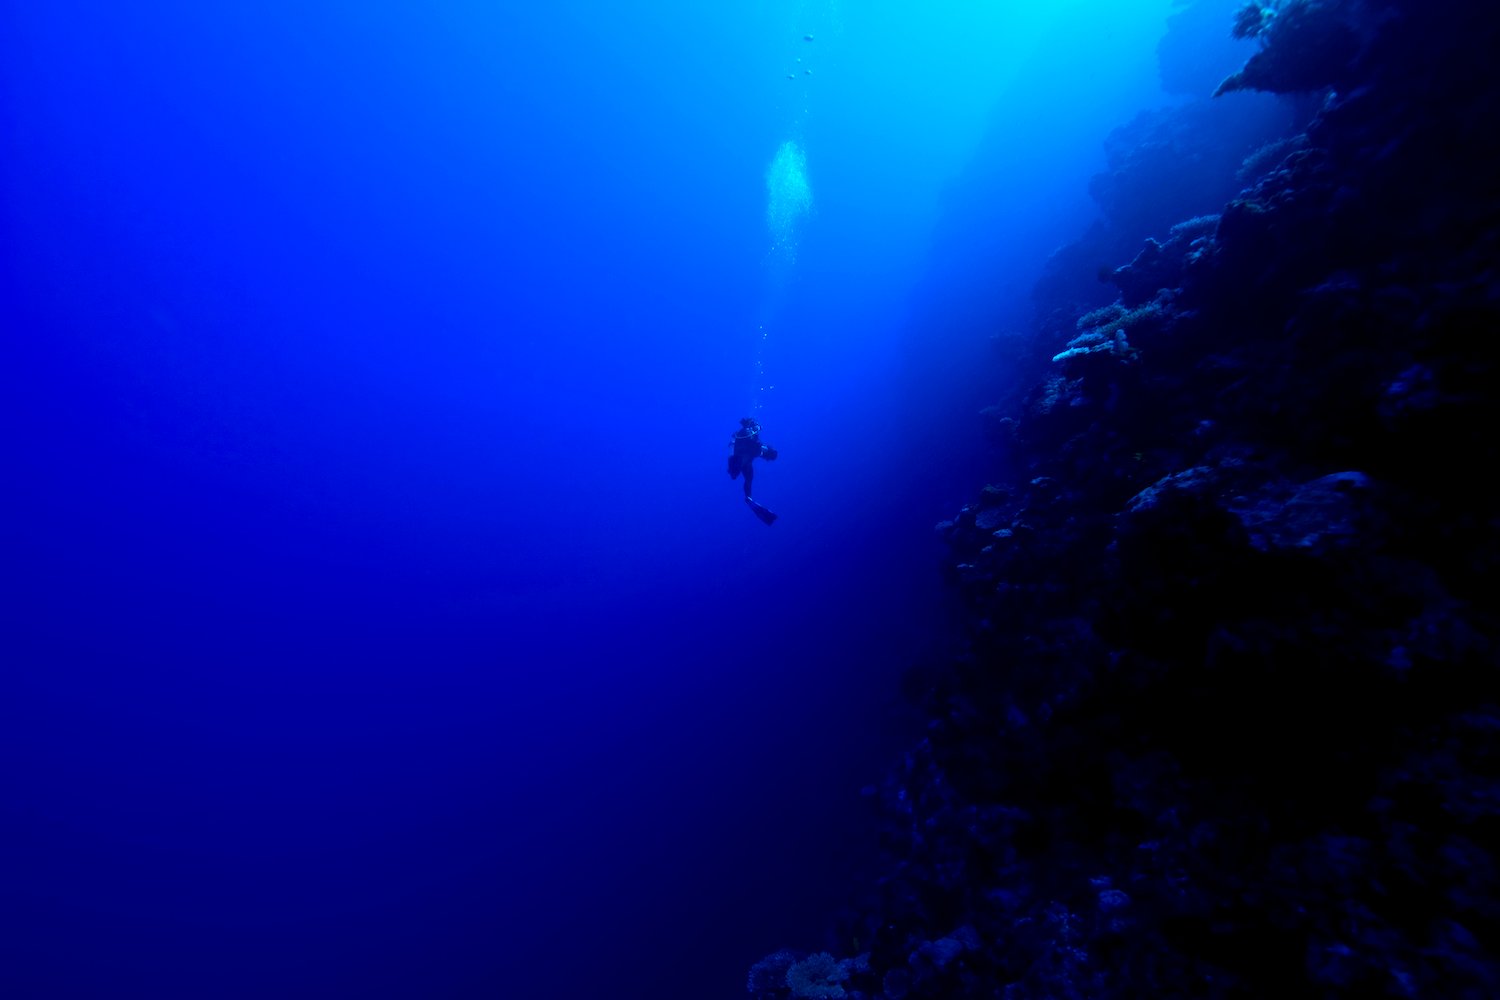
1228	720
1305	44
1163	167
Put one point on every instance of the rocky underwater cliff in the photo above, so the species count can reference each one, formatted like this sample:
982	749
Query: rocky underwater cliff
1228	719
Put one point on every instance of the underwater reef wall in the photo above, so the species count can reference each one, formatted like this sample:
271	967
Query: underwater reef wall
1227	723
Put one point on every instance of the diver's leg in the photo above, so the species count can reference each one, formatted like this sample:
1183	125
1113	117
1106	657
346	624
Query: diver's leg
749	470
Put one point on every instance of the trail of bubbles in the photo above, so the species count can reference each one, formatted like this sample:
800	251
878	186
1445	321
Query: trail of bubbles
788	199
758	403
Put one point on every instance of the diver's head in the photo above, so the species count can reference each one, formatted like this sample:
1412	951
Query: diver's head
747	422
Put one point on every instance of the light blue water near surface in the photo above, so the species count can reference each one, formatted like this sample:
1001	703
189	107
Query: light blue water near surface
385	623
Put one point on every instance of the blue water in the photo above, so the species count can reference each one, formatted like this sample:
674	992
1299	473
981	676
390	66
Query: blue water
381	621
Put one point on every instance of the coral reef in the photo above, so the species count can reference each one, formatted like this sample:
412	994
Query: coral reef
1225	723
817	977
1305	45
1164	166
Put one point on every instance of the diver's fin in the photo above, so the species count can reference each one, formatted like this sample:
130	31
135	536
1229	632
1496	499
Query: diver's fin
761	512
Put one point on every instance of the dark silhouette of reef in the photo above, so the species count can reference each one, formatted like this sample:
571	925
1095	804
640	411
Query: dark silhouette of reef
1227	723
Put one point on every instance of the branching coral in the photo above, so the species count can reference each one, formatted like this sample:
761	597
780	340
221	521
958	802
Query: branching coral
1103	332
1096	343
1102	317
768	976
1195	228
1114	320
1264	159
817	977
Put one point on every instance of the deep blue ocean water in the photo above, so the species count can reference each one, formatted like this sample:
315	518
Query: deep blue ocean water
381	621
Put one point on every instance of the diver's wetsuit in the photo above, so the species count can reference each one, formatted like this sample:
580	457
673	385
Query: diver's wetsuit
747	448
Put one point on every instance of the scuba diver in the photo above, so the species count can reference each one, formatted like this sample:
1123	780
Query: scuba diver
747	448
